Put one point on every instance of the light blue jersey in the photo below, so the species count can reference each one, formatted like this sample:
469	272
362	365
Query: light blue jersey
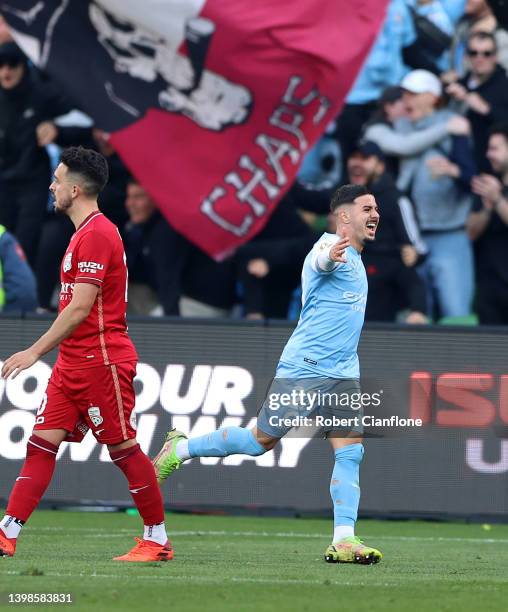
325	340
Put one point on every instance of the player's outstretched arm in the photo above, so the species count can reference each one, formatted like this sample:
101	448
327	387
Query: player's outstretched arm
329	257
76	312
338	251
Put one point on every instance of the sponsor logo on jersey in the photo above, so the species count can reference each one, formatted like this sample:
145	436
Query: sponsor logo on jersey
89	267
66	291
94	412
67	262
357	301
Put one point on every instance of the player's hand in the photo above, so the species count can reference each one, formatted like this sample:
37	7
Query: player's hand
258	267
338	250
46	133
18	362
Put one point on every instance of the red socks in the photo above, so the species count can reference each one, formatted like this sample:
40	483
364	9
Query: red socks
38	470
34	478
143	484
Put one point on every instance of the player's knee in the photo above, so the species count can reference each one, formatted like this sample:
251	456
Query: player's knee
122	445
264	440
118	452
53	436
267	444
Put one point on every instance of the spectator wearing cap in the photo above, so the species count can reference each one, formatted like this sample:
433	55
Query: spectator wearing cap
438	182
394	284
399	46
394	145
25	103
17	282
482	94
395	48
488	227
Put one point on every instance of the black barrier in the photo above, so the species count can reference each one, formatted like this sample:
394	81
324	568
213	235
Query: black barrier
197	376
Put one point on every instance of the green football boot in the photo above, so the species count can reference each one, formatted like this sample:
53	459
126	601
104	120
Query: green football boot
352	550
166	461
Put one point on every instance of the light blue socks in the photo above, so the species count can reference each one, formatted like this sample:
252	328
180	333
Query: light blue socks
224	442
345	487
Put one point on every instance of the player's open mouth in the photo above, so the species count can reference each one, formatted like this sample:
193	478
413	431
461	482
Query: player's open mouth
371	226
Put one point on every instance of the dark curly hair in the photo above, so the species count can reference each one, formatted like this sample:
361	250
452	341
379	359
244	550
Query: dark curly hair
90	166
347	194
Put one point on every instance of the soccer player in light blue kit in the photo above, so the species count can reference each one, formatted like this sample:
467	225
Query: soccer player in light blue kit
320	355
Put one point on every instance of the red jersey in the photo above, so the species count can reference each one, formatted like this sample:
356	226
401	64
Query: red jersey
96	255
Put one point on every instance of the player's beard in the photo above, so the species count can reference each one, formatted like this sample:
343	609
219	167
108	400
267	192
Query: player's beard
63	205
363	236
368	238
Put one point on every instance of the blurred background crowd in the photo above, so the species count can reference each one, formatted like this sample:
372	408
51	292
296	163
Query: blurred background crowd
424	127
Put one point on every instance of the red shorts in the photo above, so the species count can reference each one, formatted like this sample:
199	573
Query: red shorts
101	399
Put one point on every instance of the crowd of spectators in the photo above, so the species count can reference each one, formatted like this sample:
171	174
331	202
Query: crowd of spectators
424	127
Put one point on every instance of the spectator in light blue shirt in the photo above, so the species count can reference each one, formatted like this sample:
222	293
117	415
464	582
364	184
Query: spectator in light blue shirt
444	14
384	66
396	50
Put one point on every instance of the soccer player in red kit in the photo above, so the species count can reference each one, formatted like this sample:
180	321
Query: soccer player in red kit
91	385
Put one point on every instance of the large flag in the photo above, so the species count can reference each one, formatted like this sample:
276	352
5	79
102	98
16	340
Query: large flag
210	103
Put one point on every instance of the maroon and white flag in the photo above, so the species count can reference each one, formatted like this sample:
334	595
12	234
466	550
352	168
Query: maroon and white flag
210	103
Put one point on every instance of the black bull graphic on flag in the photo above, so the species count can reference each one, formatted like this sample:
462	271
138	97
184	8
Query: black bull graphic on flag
211	104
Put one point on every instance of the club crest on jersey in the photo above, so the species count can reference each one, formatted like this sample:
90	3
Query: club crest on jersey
94	412
67	262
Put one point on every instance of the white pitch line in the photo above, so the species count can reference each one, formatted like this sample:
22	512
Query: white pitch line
266	534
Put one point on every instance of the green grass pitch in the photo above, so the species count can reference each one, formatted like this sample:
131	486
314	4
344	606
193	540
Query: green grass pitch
237	564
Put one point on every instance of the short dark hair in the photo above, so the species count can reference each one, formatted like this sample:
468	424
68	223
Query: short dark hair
481	35
90	165
347	194
500	128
